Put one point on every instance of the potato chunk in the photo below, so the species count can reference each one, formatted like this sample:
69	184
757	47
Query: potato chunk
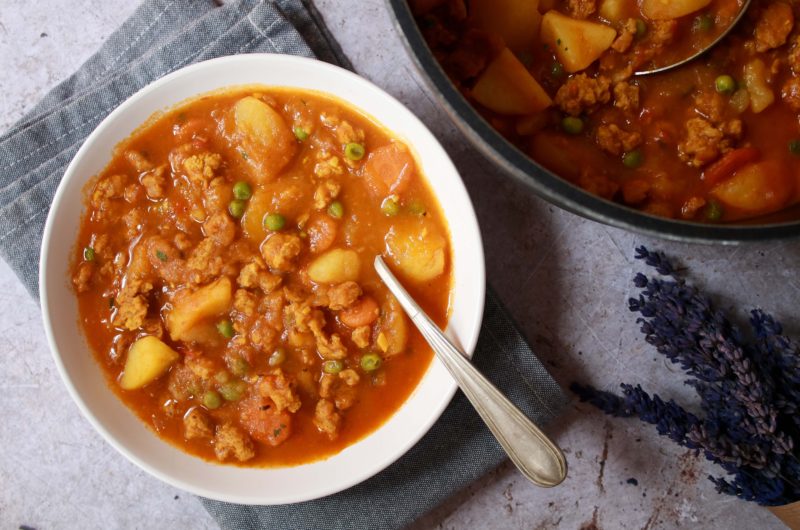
516	21
267	144
507	87
335	266
757	188
577	43
669	9
615	10
756	80
417	249
392	335
148	359
190	310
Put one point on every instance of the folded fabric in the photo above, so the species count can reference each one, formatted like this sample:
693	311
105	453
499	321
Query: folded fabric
160	37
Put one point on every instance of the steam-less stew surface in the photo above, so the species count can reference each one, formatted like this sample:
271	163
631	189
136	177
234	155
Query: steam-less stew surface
224	274
716	140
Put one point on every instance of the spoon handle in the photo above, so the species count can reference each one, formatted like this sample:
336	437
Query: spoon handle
538	458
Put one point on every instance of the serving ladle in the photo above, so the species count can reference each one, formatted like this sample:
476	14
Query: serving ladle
538	458
667	67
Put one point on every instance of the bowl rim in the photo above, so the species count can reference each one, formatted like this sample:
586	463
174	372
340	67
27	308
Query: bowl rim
547	184
468	219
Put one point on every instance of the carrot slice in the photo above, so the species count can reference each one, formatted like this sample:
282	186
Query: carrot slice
725	167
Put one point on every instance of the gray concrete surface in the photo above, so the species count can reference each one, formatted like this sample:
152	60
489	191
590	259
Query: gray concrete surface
565	280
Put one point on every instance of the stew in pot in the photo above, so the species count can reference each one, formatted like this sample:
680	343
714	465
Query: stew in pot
713	141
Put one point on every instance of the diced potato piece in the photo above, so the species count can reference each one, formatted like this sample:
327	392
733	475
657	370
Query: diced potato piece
335	266
417	249
392	335
516	21
669	9
507	87
253	221
148	359
614	10
192	309
267	144
577	43
756	76
758	188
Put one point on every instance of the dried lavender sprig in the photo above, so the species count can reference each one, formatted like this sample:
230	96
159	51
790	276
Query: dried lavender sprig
669	418
609	403
780	356
658	260
775	489
749	392
676	423
683	326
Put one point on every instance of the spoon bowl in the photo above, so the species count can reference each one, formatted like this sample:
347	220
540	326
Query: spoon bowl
667	67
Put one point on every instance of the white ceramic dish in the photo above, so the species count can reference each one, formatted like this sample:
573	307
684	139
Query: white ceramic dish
84	378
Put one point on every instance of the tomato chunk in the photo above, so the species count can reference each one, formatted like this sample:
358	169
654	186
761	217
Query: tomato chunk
725	167
389	169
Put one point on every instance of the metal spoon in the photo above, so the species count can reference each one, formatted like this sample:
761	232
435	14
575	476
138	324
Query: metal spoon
694	56
538	458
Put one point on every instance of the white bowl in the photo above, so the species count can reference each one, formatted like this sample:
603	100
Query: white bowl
83	376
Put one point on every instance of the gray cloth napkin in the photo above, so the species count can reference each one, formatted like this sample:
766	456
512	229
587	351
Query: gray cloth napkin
162	36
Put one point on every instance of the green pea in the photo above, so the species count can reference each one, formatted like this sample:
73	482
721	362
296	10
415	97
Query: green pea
300	134
332	366
703	22
88	254
212	399
572	125
222	377
794	147
556	69
632	159
236	208
232	390
354	151
336	210
417	207
725	84
713	211
641	28
274	221
225	328
242	191
239	366
278	357
390	206
371	362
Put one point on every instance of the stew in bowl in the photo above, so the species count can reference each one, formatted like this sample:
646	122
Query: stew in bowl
221	276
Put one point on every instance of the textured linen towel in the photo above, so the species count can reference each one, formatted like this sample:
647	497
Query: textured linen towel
162	36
